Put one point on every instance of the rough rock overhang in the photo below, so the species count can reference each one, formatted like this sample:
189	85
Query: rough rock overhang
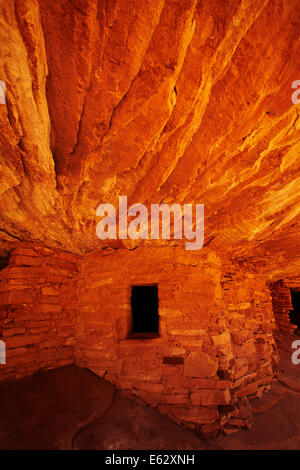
164	101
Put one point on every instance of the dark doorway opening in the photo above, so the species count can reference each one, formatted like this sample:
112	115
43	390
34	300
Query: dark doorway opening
144	304
295	313
4	261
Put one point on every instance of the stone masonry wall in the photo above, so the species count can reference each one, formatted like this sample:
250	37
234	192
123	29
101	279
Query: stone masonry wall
37	310
282	302
215	351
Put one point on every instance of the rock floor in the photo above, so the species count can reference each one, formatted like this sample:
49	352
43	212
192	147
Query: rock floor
71	408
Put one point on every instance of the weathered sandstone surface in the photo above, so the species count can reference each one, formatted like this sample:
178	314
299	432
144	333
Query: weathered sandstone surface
215	349
164	101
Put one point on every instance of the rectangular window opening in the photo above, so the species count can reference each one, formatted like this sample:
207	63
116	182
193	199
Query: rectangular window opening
144	307
295	313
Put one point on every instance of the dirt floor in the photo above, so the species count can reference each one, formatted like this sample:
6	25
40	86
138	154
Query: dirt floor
71	408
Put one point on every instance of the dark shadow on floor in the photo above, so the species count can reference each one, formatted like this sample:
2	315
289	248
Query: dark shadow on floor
71	408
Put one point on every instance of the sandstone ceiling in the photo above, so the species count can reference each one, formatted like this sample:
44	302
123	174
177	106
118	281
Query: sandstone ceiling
161	100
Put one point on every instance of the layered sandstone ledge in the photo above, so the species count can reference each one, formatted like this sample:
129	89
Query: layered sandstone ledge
215	351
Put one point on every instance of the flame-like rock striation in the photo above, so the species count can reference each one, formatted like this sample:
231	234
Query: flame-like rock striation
163	101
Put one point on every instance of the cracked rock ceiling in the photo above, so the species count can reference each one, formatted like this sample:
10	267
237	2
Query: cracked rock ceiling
180	101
